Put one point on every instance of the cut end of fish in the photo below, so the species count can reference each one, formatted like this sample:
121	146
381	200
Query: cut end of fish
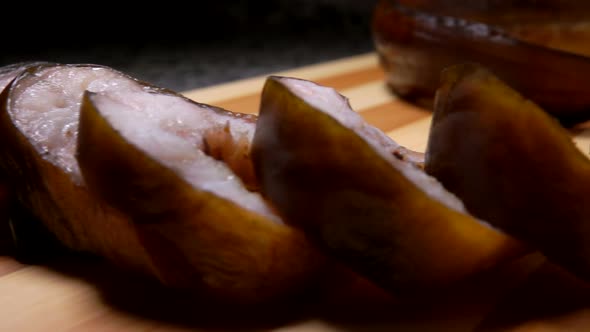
45	103
330	102
206	146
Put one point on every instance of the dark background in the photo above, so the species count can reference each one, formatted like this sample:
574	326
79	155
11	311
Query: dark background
192	44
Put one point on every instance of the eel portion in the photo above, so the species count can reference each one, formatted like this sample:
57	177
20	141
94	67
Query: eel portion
334	176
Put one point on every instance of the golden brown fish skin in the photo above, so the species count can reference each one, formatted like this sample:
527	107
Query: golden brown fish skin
414	46
511	164
198	241
78	220
20	233
327	180
234	256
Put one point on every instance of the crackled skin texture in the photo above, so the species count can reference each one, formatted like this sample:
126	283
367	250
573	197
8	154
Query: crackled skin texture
331	175
512	165
534	58
198	239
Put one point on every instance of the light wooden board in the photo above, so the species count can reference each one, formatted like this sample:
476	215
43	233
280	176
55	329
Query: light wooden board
77	294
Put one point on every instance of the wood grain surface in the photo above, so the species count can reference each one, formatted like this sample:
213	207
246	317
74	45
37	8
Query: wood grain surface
85	294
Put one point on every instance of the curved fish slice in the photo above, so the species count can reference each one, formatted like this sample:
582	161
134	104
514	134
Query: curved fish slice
39	121
179	169
512	165
333	175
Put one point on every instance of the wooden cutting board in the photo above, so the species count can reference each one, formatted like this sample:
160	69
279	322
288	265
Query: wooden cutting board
84	294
